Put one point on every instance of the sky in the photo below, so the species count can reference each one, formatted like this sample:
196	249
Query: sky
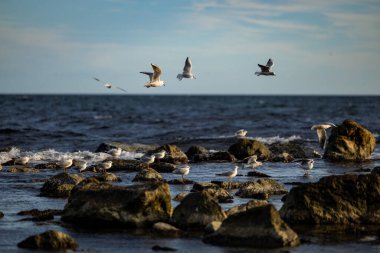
325	47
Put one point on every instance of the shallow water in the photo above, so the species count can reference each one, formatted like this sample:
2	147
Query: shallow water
49	127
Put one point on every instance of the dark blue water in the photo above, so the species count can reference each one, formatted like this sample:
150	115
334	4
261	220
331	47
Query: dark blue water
47	127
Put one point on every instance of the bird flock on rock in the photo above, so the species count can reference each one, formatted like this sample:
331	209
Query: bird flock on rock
155	80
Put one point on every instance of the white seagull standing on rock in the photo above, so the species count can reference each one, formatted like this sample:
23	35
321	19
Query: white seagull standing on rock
182	170
241	133
253	163
321	132
106	165
306	164
160	154
148	159
23	160
154	78
81	166
266	70
114	152
229	174
65	163
108	85
186	71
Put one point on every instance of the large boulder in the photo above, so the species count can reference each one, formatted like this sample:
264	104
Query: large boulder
260	227
126	165
247	206
340	199
286	151
197	210
101	204
197	153
163	167
60	186
350	141
50	240
247	147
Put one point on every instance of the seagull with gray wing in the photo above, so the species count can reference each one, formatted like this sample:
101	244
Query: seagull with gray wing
321	132
266	70
186	71
154	78
108	85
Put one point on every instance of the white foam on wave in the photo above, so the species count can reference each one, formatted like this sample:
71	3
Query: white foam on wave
277	138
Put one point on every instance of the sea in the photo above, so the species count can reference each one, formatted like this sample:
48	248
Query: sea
48	127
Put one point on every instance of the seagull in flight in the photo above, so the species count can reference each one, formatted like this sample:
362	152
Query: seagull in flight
108	85
154	78
186	71
266	70
321	132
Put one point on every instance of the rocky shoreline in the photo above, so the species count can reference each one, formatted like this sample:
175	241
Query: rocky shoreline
94	200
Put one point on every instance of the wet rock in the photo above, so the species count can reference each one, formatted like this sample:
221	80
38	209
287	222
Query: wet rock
260	227
180	196
180	181
45	166
212	227
59	186
245	207
22	170
341	199
51	239
42	215
255	173
228	185
165	229
222	156
199	186
197	153
261	189
108	177
350	141
148	175
162	248
101	204
287	151
163	167
173	154
283	158
246	147
197	210
126	165
135	147
376	170
1	214
220	194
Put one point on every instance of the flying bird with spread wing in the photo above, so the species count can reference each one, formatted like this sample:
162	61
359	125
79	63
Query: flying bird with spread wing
187	72
154	78
108	85
266	70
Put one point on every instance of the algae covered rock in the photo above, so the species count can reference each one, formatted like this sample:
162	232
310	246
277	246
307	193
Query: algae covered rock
60	186
247	147
350	141
101	204
50	240
148	175
343	199
260	227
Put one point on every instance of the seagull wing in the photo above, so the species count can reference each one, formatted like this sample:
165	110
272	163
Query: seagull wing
156	73
121	89
264	68
150	74
321	137
187	68
270	63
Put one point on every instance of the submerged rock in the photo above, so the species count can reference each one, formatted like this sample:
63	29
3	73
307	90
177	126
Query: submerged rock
49	240
100	204
340	199
255	173
148	175
350	141
197	210
42	215
246	147
59	186
261	189
260	227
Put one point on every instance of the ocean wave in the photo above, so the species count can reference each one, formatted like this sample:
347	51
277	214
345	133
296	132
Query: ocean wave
277	138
